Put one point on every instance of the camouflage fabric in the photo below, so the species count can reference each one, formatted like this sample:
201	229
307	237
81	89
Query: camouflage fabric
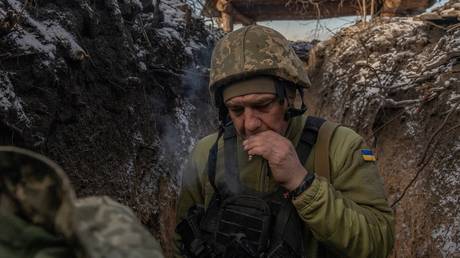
109	229
255	50
40	216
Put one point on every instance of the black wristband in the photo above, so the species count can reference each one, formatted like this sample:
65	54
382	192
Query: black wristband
306	182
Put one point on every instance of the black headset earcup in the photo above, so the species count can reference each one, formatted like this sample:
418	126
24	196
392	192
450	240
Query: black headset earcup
293	112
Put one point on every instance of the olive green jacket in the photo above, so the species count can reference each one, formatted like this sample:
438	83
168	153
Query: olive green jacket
349	214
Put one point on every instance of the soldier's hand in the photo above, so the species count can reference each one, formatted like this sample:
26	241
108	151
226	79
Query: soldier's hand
281	155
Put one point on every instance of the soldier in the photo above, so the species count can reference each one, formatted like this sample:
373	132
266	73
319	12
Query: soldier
274	182
41	218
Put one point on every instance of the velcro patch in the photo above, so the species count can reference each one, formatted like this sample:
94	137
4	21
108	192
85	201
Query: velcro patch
368	155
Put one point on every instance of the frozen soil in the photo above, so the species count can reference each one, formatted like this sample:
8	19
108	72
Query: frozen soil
397	82
114	91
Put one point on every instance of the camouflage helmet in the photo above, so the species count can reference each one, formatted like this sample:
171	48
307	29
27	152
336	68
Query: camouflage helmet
36	197
37	187
251	51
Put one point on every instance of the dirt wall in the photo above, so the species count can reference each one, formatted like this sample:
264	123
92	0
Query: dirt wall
113	91
397	82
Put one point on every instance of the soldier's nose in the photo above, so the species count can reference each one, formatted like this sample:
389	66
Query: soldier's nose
251	121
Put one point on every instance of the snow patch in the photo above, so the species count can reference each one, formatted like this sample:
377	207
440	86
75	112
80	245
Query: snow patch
449	235
30	44
391	58
9	100
45	37
183	114
170	33
173	17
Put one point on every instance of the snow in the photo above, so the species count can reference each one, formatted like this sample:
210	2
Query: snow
45	37
447	176
173	17
130	167
142	66
411	128
174	25
454	98
391	57
30	43
169	33
188	50
114	7
182	115
195	45
10	101
449	234
57	34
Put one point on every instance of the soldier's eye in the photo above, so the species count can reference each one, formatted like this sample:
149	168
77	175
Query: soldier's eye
265	105
237	110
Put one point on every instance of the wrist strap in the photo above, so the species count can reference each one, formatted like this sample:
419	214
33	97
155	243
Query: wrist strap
304	185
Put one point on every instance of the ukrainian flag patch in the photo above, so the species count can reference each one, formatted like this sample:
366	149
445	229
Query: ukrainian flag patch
368	155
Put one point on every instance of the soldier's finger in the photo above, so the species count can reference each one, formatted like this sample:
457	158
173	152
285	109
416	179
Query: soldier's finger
259	151
252	143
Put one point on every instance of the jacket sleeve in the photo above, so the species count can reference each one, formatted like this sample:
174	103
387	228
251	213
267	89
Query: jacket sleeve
351	216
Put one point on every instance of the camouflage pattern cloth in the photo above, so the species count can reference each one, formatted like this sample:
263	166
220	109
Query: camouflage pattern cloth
40	216
255	50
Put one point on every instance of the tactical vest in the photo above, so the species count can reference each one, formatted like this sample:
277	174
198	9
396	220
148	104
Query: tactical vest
241	222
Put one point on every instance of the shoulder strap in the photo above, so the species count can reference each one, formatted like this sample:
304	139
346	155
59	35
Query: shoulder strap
308	137
231	184
322	165
212	162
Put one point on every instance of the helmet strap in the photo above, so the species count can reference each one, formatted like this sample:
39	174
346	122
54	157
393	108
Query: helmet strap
292	111
224	117
281	93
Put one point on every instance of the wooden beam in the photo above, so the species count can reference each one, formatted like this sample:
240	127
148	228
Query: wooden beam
405	7
229	14
242	18
262	10
280	11
227	22
225	9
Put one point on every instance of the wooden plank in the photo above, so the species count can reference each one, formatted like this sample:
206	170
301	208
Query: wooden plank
227	22
405	7
280	11
262	10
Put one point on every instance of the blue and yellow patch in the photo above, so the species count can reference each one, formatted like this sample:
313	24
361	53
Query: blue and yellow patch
368	155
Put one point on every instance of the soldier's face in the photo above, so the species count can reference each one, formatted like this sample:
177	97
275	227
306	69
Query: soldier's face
255	113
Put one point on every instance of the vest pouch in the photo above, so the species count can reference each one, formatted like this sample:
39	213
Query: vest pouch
286	233
193	244
243	227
